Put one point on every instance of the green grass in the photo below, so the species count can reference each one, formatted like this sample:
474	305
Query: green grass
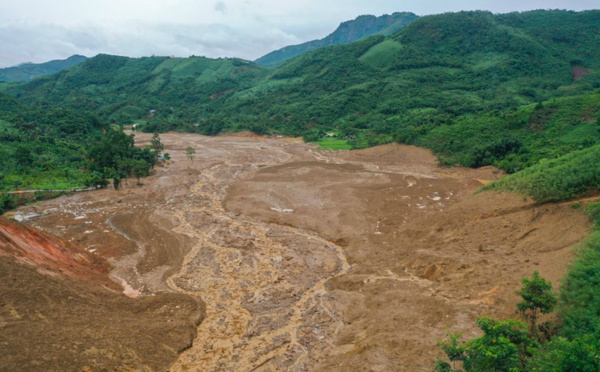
333	144
49	180
382	54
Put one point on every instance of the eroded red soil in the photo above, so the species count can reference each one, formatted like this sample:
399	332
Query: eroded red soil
50	254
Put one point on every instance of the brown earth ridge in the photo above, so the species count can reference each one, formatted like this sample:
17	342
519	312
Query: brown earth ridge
306	260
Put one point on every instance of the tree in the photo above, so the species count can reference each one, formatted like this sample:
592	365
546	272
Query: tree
538	297
17	182
140	169
563	355
23	156
116	157
504	347
190	152
455	351
7	202
157	145
96	179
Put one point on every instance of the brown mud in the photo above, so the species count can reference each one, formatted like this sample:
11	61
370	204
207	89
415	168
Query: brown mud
313	260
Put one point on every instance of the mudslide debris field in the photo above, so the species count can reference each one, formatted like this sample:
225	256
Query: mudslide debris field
316	260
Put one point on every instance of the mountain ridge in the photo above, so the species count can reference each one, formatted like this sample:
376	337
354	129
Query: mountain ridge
462	70
348	31
28	71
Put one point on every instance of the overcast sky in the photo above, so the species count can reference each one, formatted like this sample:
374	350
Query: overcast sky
41	30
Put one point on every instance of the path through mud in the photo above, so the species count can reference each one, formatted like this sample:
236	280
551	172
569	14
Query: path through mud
317	260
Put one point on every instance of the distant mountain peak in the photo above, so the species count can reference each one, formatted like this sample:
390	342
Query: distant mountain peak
27	71
347	32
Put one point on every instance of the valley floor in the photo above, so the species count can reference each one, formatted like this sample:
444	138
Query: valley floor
318	260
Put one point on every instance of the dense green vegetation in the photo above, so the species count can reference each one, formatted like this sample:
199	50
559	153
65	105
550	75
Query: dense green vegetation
43	149
29	71
62	149
573	175
166	93
347	32
115	157
580	294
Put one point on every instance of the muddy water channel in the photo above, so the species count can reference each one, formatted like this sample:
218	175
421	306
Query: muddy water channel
263	285
316	260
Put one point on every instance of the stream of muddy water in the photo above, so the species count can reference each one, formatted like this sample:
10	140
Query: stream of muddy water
263	285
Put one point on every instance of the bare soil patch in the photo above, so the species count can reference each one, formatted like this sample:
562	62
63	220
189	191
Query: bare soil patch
579	72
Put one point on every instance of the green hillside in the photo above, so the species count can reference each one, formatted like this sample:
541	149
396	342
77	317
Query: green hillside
121	89
347	32
29	71
476	88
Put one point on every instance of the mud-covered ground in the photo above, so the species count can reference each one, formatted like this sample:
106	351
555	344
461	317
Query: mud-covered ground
317	260
59	311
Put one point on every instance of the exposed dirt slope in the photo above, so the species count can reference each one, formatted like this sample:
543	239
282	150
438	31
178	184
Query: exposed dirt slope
318	260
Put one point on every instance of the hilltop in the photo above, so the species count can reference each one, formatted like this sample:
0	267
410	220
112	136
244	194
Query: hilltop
29	71
347	32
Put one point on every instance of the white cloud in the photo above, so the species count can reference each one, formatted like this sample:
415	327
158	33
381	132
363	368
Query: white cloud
40	30
221	7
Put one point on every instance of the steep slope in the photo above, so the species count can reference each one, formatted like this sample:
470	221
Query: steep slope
29	71
50	254
347	32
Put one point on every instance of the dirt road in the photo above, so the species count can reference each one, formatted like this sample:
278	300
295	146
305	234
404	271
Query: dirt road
317	260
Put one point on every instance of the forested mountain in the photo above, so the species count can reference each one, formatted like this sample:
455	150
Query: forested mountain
121	89
29	71
347	32
475	87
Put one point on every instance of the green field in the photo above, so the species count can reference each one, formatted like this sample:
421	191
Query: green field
334	144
